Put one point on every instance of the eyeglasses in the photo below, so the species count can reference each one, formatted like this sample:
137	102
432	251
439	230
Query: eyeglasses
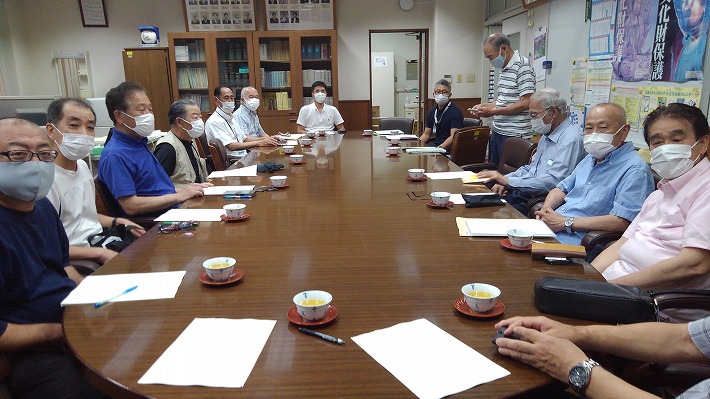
261	189
24	156
441	92
534	115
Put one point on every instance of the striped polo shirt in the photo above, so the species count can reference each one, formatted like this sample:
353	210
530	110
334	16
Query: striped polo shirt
516	80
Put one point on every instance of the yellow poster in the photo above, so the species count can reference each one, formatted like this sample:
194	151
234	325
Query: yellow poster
628	98
655	96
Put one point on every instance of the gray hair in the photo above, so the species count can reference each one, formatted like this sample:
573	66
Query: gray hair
443	82
496	40
179	109
244	91
549	98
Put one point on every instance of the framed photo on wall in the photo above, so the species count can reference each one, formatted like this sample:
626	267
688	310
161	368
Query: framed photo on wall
219	15
300	14
93	13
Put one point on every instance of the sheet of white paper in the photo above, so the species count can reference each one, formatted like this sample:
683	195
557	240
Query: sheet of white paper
500	227
220	190
158	285
428	360
386	132
290	142
424	150
294	136
402	137
457	199
248	171
448	175
193	360
198	215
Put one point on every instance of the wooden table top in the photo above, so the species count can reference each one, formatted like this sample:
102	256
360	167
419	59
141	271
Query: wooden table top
344	225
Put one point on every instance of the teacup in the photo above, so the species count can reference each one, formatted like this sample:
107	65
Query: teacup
311	134
219	269
440	197
520	238
416	173
278	181
297	158
394	140
306	141
312	305
393	150
480	297
234	210
288	149
367	132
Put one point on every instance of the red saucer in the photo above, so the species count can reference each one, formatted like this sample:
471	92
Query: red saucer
416	180
505	243
392	156
236	276
393	144
461	306
306	145
297	163
296	318
431	204
280	187
225	218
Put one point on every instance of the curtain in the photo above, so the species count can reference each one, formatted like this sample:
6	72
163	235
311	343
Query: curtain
67	68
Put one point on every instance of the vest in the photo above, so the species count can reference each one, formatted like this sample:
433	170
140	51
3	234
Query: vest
184	174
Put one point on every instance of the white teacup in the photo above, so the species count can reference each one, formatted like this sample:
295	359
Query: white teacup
297	158
234	210
393	150
311	134
367	132
219	269
288	149
520	238
394	140
306	141
480	297
440	197
278	181
312	305
416	173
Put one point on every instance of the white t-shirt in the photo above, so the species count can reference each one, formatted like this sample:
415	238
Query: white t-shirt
310	118
221	126
72	195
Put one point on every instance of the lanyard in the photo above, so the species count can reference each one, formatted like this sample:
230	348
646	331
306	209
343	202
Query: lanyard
228	124
436	122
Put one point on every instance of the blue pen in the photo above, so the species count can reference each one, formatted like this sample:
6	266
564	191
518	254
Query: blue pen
239	196
100	304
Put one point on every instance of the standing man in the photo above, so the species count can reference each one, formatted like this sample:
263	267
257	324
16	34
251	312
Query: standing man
443	120
176	151
558	152
223	126
34	270
127	167
319	115
607	188
516	83
71	126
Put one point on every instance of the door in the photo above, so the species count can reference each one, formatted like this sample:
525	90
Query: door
150	68
382	69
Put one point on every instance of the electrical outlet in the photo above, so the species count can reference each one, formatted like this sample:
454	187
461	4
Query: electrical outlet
471	78
459	78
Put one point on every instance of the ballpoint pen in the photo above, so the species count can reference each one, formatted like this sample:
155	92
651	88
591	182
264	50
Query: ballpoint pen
105	301
321	335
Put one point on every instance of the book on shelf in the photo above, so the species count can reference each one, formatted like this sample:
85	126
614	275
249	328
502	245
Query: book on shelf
181	53
310	76
275	50
192	78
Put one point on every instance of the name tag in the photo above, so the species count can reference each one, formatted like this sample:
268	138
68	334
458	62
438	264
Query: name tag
549	162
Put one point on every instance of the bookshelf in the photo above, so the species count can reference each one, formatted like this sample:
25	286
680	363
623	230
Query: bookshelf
318	63
189	54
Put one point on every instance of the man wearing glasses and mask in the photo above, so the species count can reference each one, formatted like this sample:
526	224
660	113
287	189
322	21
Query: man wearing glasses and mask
443	120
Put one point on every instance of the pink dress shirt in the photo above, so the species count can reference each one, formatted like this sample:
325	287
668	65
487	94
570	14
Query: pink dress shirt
675	216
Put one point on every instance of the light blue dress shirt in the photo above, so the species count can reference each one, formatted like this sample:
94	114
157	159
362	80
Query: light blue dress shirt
699	331
618	185
247	122
557	155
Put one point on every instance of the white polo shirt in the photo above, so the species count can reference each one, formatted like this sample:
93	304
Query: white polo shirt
310	118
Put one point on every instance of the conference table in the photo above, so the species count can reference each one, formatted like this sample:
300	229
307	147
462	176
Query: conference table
349	223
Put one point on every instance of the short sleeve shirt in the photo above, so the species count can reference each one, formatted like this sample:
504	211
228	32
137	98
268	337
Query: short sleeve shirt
310	118
442	121
247	122
699	331
221	126
516	80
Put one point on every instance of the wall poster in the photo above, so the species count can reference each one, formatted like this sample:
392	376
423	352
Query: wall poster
300	14
219	15
635	29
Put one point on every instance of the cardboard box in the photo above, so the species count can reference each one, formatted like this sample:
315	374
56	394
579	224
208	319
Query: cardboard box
375	111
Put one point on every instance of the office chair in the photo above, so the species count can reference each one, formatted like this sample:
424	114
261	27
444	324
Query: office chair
406	125
219	154
204	152
516	153
470	122
469	145
107	205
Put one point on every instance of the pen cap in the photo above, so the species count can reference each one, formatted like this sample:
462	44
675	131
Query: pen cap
313	304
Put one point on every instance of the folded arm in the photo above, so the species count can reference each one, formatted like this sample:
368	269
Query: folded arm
690	263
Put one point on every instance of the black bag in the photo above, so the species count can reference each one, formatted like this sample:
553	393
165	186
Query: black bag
477	201
609	303
269	167
115	238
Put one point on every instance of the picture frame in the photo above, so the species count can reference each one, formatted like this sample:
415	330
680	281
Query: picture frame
219	15
93	13
299	14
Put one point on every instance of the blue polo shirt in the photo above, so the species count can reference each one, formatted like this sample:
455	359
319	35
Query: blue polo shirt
127	167
618	185
35	250
448	118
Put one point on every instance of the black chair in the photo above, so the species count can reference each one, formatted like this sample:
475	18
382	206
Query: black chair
110	207
516	153
469	145
406	125
471	122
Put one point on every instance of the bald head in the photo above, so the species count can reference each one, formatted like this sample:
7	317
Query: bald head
614	112
19	127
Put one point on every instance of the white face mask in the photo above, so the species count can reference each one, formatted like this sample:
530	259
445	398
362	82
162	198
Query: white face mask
252	104
599	145
672	160
319	97
75	146
198	128
540	126
441	99
145	124
227	106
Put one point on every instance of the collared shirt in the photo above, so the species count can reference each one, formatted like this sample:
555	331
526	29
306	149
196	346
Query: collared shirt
618	185
557	155
222	126
699	331
516	80
310	118
673	217
127	167
247	122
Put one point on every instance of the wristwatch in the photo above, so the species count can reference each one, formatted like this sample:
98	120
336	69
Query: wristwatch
568	225
579	375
